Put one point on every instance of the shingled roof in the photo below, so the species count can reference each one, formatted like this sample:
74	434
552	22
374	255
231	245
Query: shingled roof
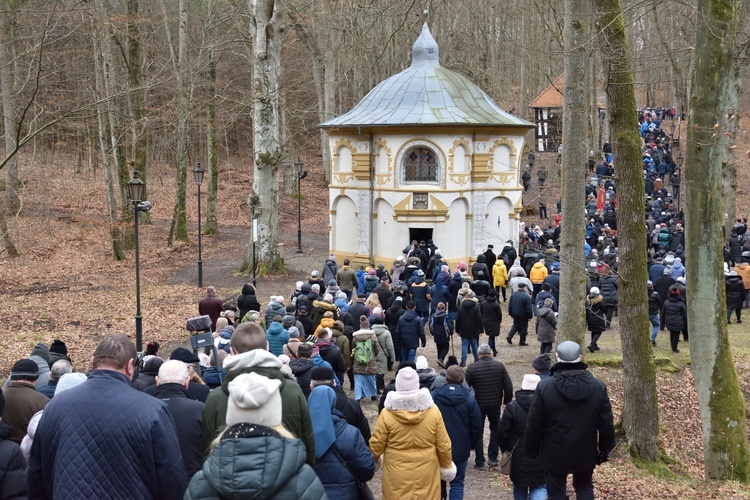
425	93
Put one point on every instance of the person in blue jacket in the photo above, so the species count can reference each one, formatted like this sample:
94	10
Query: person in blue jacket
342	458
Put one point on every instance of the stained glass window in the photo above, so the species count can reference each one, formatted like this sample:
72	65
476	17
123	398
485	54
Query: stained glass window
420	165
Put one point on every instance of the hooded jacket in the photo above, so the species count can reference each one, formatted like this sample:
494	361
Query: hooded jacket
492	316
264	466
595	313
12	467
469	319
675	313
499	274
735	290
410	330
277	338
370	368
608	289
525	472
346	277
538	273
461	416
441	327
320	307
743	270
678	270
480	265
570	420
420	294
295	415
410	436
386	352
546	322
247	301
274	309
330	270
187	414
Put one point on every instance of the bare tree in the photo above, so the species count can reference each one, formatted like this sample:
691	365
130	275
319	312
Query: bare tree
640	416
723	413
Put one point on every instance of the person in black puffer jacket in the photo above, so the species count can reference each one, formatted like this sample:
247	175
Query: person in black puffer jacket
596	315
247	301
608	287
675	317
410	332
469	326
735	290
492	316
441	328
526	473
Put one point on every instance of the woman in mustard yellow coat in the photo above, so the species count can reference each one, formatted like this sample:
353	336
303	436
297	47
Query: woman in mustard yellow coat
500	277
411	439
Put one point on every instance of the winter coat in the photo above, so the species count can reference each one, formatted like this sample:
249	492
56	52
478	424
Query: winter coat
491	383
663	239
441	328
481	289
371	281
675	314
655	272
104	416
21	402
392	315
420	294
342	342
330	352
410	330
264	465
277	338
347	279
546	323
654	303
359	309
595	314
735	289
469	320
295	415
439	293
492	316
292	347
525	472
453	287
426	377
187	414
570	420
12	467
384	293
678	270
542	296
608	289
662	286
411	437
274	309
370	368
247	301
351	446
519	305
462	418
320	307
499	274
302	370
329	271
743	270
480	265
538	273
735	247
386	352
553	280
396	271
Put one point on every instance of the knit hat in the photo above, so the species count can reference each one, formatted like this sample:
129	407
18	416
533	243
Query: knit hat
287	321
68	381
25	369
422	363
568	352
364	323
321	373
675	291
407	380
42	351
293	332
59	347
314	274
184	355
529	382
594	290
542	362
411	303
254	399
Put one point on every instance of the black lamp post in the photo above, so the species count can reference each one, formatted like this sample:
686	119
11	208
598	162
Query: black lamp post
680	159
136	186
198	176
300	175
255	239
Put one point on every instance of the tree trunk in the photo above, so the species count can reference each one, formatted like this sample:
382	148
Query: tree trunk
212	139
640	416
722	406
114	227
264	198
178	230
10	120
576	35
136	98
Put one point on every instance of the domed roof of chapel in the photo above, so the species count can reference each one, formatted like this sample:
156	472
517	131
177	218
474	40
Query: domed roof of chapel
426	93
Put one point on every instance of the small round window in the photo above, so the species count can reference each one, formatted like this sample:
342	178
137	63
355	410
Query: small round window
420	165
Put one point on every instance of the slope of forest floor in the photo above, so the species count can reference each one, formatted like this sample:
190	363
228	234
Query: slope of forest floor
66	285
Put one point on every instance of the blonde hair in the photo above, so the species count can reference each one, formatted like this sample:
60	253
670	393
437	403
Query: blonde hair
373	301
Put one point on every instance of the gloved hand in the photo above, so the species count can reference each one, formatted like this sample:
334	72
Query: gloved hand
424	344
602	457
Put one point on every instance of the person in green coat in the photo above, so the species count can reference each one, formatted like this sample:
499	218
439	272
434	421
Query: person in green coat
249	355
267	461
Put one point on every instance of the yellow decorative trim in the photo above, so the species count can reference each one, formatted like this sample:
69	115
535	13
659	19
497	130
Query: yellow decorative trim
503	177
333	212
402	211
480	170
383	178
344	178
336	147
513	153
460	178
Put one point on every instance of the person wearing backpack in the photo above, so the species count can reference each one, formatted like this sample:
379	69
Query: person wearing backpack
365	349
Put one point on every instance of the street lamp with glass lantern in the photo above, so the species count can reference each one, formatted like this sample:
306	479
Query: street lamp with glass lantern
198	176
137	188
300	175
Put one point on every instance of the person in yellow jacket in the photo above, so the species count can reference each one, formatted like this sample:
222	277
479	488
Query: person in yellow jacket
500	277
411	438
536	276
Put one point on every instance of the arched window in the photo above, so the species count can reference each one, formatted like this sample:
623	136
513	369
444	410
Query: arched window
420	165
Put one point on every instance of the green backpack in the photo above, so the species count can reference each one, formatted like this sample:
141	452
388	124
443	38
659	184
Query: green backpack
363	351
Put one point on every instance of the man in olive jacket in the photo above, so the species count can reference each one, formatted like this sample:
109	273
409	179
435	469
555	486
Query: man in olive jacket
248	355
570	423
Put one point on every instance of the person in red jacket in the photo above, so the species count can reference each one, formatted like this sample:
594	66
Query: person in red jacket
211	305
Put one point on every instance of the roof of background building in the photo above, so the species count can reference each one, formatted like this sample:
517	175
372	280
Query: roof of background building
425	93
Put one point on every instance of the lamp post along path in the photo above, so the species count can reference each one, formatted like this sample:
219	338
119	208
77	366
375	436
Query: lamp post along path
136	188
300	175
198	176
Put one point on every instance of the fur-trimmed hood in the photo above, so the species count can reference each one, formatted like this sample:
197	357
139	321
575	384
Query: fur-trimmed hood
409	408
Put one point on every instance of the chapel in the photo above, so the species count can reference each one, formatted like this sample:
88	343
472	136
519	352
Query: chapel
426	154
